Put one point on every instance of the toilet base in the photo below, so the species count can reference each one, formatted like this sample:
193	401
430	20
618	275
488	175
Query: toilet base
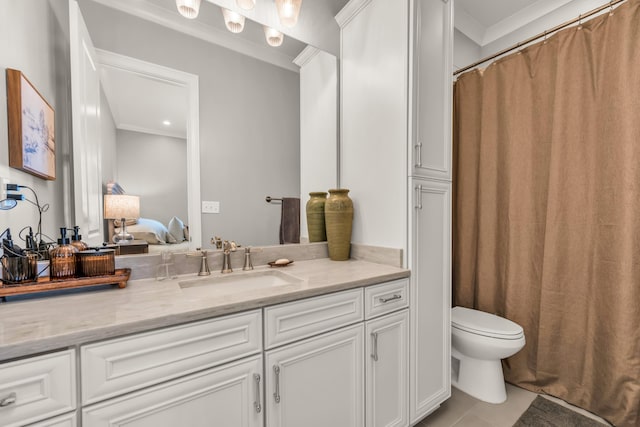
482	379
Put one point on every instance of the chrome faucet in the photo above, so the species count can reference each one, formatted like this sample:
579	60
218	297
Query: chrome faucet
227	248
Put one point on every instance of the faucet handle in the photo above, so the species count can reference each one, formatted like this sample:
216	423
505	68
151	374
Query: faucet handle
248	265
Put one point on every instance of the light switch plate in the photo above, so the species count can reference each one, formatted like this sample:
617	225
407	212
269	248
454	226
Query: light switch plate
210	207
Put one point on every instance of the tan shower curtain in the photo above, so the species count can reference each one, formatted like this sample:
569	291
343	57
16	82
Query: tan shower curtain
547	209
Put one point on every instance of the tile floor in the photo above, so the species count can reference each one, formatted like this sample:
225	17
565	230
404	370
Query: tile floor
462	410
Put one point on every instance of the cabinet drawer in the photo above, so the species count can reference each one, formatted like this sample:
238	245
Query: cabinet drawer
385	298
122	365
227	396
43	387
300	319
68	420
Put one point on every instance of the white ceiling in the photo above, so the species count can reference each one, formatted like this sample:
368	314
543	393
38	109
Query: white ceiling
163	100
488	20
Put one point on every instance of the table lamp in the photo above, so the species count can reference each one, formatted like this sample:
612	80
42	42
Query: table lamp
122	207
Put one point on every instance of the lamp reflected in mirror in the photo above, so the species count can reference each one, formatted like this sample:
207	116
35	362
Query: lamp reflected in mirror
121	207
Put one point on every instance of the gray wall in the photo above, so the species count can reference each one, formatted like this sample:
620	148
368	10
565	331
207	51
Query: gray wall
154	167
40	49
465	50
249	121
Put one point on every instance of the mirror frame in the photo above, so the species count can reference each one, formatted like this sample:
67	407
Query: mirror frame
189	82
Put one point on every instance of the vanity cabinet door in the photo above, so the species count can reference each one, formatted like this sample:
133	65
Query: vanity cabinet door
432	59
230	395
430	339
387	369
317	382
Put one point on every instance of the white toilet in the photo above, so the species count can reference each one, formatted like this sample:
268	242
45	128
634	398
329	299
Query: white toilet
479	341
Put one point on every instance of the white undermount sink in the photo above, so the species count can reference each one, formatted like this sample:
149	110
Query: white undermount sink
242	281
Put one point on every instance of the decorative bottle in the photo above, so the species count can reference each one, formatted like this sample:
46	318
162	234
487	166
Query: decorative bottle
315	216
76	240
62	258
338	216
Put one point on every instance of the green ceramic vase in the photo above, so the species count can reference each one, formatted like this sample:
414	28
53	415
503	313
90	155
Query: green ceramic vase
315	216
338	216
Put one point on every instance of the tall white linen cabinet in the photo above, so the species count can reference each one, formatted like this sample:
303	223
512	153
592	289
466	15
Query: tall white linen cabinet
395	157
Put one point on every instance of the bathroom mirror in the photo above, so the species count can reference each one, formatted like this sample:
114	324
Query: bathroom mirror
249	104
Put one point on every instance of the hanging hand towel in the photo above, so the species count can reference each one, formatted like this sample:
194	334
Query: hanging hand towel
290	220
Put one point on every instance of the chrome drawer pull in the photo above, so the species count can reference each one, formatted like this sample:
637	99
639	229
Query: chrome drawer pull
8	401
393	298
418	154
276	394
374	344
256	403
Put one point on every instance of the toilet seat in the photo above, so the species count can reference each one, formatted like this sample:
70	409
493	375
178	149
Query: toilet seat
485	324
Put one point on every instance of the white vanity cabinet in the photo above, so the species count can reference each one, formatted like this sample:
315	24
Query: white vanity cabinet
230	395
160	378
396	108
387	354
317	381
431	54
38	388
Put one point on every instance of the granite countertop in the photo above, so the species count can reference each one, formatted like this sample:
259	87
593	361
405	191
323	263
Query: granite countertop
49	323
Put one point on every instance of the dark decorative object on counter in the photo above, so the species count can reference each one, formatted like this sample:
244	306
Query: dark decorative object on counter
338	216
96	262
315	216
63	258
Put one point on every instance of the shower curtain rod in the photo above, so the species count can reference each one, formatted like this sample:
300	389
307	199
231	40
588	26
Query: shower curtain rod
541	35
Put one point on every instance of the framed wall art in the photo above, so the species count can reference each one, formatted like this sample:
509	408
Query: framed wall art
32	146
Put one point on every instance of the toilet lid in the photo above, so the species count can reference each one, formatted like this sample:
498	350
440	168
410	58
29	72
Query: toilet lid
479	322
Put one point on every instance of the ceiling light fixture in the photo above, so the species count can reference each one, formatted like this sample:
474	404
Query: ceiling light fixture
246	4
166	122
288	11
233	20
273	36
188	8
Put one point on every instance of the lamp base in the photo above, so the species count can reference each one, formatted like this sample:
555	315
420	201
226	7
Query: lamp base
122	238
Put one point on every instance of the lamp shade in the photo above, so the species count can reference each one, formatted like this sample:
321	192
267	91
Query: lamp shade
233	20
188	8
118	206
274	37
288	11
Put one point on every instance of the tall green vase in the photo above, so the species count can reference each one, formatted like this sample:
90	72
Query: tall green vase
315	216
338	216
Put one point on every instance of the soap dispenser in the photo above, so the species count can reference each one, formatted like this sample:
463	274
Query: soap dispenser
63	258
76	240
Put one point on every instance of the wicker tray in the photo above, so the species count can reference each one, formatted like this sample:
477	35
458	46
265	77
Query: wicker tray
44	284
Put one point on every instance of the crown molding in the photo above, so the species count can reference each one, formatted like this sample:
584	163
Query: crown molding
152	131
469	26
350	11
153	13
482	35
307	54
522	18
